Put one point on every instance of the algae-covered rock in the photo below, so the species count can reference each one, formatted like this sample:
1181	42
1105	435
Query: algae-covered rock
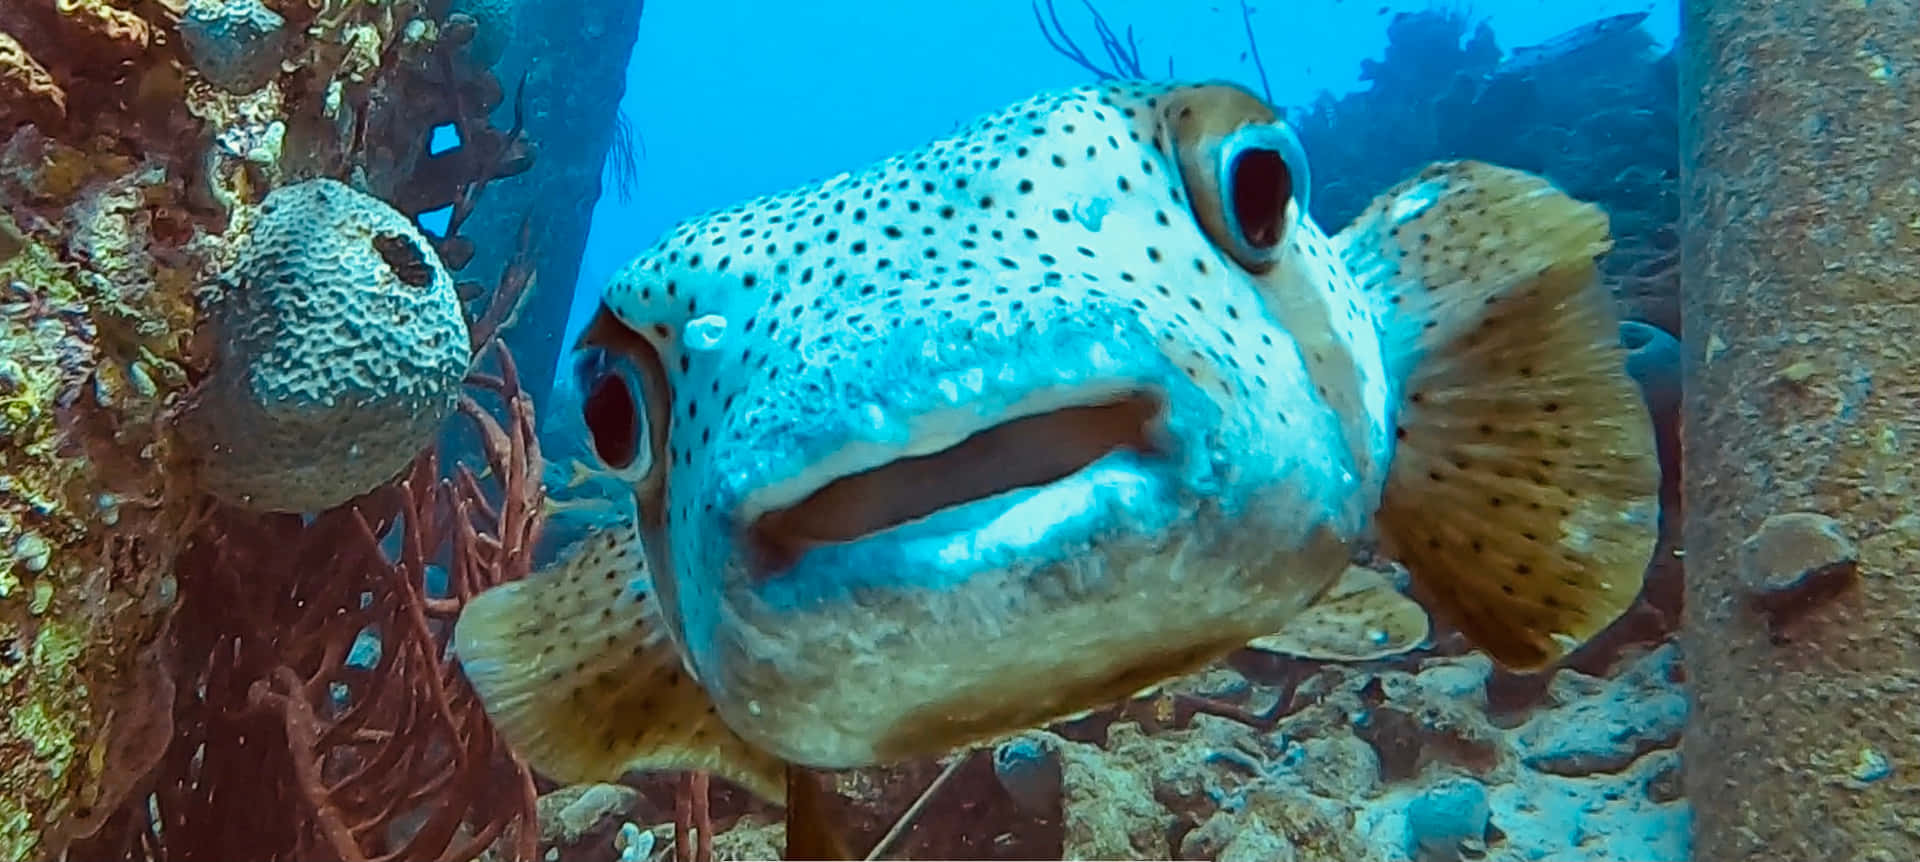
85	587
341	349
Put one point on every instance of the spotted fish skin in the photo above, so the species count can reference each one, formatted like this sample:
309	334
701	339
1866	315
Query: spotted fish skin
1050	257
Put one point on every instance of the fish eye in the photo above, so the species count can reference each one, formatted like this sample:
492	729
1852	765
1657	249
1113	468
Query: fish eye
613	418
1244	170
1259	189
1263	183
609	407
620	388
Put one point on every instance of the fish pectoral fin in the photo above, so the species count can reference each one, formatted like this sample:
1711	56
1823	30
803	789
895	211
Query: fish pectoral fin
1363	617
578	674
1523	494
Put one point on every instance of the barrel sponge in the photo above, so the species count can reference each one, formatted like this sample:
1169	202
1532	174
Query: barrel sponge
341	348
236	44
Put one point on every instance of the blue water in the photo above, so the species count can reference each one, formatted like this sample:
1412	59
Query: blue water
737	98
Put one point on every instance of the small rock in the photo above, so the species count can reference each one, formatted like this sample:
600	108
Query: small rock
1340	767
1029	771
1110	810
1257	843
1209	838
1796	558
1602	726
752	838
1448	815
583	816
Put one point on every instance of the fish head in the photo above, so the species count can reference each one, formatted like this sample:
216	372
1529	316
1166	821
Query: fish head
996	430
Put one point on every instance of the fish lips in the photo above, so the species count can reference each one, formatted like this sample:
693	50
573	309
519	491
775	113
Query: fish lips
1122	495
1021	495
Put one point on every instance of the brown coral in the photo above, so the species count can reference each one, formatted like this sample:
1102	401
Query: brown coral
27	92
129	34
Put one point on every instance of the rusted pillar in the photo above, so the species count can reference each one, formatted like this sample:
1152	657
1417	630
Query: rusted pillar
1801	297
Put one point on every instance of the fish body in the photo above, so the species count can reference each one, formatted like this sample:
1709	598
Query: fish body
1043	414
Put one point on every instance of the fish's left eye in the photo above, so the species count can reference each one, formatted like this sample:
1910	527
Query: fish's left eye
1244	170
1262	177
1265	178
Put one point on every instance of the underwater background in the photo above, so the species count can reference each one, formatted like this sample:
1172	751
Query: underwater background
289	293
1430	755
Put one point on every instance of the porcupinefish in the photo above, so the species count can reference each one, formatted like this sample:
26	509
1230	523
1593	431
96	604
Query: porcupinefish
1053	410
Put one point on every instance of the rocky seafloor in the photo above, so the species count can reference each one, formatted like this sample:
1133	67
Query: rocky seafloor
1266	758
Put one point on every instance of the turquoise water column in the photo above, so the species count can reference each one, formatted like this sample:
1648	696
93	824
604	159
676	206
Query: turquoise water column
1801	297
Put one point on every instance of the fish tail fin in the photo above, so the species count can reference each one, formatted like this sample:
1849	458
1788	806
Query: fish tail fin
576	671
1523	490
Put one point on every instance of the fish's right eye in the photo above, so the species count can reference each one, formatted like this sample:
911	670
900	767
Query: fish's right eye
610	409
623	395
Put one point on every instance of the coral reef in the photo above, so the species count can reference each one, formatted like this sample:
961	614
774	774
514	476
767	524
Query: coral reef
387	756
137	143
341	348
96	304
27	92
1593	110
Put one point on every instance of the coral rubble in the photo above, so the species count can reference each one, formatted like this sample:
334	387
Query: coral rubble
1398	765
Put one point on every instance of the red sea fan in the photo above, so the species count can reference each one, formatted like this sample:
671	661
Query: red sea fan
320	714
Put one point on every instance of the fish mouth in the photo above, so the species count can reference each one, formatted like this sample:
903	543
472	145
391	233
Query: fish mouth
1028	452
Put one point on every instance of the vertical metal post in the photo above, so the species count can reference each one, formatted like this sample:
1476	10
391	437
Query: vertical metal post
1801	297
